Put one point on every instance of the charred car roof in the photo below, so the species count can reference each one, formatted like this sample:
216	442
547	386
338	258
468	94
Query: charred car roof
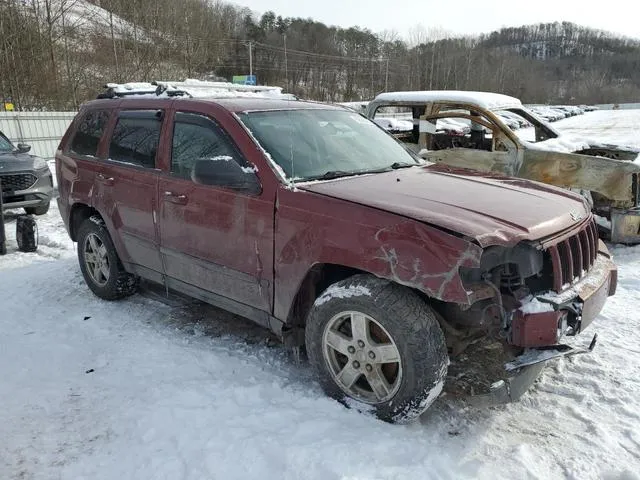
487	100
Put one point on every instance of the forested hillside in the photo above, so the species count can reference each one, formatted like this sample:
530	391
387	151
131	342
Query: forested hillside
58	53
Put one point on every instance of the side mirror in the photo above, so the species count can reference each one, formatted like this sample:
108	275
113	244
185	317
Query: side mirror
23	148
224	171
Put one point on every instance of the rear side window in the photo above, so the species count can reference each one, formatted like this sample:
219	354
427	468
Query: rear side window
90	130
135	137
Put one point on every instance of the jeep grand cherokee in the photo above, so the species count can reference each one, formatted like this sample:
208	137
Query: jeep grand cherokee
314	222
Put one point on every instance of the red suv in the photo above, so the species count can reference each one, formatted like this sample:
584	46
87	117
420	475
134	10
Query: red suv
314	222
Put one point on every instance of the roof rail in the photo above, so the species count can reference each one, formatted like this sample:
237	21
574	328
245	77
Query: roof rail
191	88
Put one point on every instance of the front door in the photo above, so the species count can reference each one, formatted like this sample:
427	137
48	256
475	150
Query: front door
214	236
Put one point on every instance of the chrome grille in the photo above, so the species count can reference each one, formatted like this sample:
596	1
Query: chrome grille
573	257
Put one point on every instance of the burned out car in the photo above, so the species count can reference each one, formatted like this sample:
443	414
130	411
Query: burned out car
605	174
315	223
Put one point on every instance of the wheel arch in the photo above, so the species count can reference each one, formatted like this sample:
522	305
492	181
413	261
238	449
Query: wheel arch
321	276
78	214
317	279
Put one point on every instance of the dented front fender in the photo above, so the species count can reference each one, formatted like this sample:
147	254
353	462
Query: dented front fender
337	232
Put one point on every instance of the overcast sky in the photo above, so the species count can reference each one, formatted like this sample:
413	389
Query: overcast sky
458	16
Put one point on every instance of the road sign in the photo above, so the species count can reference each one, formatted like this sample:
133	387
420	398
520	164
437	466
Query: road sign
244	79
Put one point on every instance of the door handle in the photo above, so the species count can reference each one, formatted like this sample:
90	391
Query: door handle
102	179
177	199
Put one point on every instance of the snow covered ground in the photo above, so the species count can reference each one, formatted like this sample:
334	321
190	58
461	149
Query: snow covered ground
619	127
141	390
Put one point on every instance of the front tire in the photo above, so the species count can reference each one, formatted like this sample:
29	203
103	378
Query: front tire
377	346
99	262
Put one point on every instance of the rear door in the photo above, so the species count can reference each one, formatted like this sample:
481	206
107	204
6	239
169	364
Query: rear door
78	161
214	236
126	187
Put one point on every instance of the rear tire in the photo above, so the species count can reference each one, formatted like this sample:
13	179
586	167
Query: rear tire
99	262
377	346
39	210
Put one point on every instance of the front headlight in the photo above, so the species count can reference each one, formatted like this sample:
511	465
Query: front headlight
528	260
40	164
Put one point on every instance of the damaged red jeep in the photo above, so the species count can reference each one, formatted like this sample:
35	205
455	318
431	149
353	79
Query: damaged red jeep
314	222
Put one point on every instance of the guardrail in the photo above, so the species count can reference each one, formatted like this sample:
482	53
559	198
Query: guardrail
41	130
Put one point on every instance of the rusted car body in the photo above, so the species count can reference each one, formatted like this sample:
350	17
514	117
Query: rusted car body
515	261
605	174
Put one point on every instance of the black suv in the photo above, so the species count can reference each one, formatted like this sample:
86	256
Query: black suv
26	179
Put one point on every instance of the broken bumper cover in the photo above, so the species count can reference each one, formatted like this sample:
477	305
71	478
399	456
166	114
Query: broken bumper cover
527	367
587	297
584	301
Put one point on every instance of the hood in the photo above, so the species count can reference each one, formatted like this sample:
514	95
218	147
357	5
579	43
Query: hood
492	209
19	162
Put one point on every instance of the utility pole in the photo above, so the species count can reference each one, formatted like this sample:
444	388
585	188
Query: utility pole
386	77
250	60
286	68
113	42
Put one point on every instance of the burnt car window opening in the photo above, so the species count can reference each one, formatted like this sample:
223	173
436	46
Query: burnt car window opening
135	138
460	128
532	130
311	144
196	137
5	144
89	132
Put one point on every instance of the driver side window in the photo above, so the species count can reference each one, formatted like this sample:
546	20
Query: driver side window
197	137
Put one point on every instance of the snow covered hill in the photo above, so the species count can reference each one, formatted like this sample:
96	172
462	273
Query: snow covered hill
141	390
84	17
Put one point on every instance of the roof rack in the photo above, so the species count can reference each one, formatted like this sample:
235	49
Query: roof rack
191	88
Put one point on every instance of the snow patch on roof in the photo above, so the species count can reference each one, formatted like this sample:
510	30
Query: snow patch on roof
193	88
486	100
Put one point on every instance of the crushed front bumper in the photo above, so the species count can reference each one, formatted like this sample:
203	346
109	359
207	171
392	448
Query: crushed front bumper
581	303
525	370
540	332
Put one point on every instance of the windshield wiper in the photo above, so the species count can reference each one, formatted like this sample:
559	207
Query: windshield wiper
330	175
397	165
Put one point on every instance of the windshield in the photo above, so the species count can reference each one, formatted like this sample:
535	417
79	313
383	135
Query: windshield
321	144
5	144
